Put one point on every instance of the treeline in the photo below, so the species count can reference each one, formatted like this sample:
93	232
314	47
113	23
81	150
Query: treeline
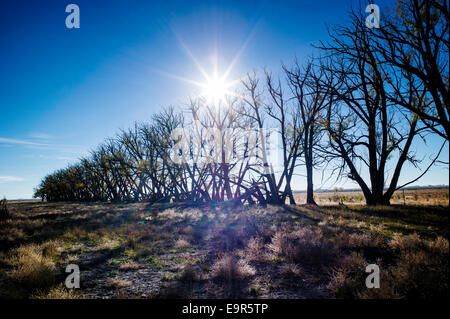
356	109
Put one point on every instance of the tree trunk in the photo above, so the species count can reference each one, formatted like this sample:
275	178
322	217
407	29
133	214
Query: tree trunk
309	186
309	167
373	199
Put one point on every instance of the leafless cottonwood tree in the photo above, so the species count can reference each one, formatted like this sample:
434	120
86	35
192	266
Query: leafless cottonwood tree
287	118
414	40
310	102
366	128
253	108
212	122
214	151
274	112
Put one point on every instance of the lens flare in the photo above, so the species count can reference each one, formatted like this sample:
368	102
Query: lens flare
215	89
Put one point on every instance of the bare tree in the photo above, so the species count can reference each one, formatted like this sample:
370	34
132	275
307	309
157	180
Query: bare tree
253	107
415	41
365	128
305	84
287	119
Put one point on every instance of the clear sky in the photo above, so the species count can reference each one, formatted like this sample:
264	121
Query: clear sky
62	91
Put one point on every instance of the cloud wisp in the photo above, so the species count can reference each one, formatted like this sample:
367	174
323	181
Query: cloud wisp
75	149
42	136
19	142
9	179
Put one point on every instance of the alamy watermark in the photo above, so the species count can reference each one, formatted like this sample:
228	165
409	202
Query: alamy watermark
210	145
73	19
373	19
73	279
373	280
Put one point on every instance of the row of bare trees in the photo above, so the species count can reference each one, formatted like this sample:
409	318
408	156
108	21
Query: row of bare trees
357	109
129	167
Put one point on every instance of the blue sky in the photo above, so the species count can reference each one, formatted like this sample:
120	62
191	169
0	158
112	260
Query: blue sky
62	91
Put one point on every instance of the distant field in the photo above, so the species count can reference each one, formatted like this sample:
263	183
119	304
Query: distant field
425	196
222	251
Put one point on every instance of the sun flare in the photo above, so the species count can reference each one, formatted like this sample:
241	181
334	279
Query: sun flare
215	89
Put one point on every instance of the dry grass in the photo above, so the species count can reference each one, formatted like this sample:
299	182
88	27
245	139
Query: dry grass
348	278
303	245
58	292
190	274
32	268
188	230
4	211
291	271
229	269
400	242
118	283
425	197
51	249
129	265
182	244
421	271
256	250
224	252
11	234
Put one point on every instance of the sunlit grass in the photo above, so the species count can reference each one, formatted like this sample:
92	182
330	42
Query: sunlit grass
263	252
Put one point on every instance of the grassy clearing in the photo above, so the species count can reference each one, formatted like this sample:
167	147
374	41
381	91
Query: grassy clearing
173	251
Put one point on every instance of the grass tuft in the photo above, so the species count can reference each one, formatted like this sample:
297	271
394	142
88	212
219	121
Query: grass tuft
32	268
58	292
229	269
4	211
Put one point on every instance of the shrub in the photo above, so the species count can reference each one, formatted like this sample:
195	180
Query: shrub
303	245
173	291
229	269
326	231
422	275
4	211
188	230
129	265
348	278
189	274
50	249
439	245
57	293
32	268
118	283
291	271
416	275
399	242
132	240
336	197
359	240
280	245
421	270
182	244
255	250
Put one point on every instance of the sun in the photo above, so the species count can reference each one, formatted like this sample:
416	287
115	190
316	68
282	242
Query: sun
216	86
215	89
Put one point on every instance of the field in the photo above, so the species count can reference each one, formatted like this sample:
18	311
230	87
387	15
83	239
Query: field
221	251
418	197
